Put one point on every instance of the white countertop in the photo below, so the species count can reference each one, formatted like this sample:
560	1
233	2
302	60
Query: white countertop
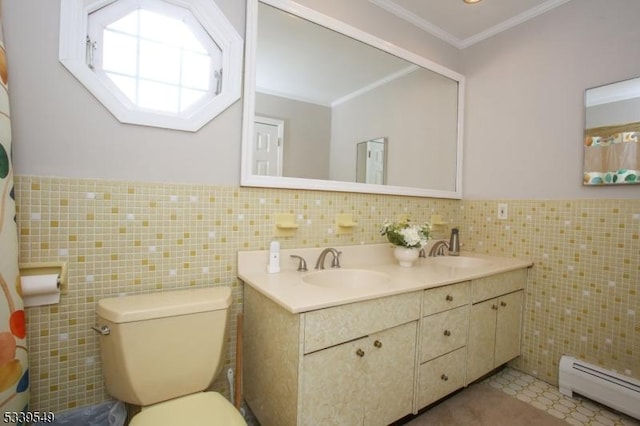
288	289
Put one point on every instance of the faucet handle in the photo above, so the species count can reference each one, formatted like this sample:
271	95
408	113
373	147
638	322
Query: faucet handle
335	262
302	264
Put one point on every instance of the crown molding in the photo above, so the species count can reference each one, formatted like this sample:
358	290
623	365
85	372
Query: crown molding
402	13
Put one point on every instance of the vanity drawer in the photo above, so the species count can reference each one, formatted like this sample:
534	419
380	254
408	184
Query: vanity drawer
440	377
497	285
447	297
331	326
444	332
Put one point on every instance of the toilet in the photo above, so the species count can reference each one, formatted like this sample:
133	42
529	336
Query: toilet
161	352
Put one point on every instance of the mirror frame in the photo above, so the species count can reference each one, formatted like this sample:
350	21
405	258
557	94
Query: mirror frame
249	179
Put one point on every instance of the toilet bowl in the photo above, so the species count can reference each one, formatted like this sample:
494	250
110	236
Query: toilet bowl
161	352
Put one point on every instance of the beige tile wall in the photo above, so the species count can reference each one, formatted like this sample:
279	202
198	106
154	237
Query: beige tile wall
129	237
582	294
138	237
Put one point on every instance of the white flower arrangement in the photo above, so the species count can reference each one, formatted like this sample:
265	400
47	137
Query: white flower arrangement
406	234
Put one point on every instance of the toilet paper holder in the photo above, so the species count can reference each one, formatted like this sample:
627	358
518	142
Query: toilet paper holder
46	268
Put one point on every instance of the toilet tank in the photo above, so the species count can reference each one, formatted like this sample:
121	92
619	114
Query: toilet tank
163	345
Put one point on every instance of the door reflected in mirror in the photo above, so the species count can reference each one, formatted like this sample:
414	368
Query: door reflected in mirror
267	146
612	131
371	161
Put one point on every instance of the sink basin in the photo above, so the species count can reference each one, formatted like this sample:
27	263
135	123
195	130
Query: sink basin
460	261
346	278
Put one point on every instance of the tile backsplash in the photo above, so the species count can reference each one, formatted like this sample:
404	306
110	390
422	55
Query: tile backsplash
129	237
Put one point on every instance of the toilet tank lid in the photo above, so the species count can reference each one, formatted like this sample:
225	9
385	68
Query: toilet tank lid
166	304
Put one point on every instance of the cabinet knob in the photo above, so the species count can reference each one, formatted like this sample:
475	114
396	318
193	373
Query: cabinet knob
360	353
444	377
503	303
447	333
449	298
377	344
494	307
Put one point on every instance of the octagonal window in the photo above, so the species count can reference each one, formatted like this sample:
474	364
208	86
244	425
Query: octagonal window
153	62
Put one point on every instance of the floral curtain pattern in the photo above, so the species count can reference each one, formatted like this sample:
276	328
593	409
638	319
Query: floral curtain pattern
611	155
14	374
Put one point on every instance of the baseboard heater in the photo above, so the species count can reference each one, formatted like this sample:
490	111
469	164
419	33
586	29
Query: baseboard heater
614	390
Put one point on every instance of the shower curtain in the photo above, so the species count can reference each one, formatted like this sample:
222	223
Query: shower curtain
14	374
611	155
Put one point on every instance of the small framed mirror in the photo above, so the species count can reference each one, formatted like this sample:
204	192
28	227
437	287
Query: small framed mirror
612	131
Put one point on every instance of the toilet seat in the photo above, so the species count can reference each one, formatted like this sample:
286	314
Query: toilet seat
200	409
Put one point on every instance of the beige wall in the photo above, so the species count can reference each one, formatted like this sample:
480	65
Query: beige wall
525	91
77	137
524	113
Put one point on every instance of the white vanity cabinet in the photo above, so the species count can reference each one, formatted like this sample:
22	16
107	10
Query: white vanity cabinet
351	364
495	322
443	340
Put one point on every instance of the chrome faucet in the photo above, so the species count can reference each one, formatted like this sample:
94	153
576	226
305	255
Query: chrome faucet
438	248
335	262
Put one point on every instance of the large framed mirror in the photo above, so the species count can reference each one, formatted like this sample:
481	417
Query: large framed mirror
316	88
612	131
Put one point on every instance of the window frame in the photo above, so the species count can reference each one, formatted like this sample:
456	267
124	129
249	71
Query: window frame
74	17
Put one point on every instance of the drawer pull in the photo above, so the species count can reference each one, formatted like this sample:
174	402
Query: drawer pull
444	377
503	303
449	298
494	307
377	344
447	333
360	353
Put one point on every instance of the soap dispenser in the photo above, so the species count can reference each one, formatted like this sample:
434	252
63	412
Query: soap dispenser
454	243
273	266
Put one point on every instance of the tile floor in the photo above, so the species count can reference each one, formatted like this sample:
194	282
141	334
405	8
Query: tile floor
576	411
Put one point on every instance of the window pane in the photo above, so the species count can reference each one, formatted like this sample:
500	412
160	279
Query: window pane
158	96
159	62
190	97
188	40
196	71
119	53
126	84
160	28
128	24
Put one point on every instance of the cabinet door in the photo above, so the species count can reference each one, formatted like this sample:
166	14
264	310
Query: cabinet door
391	357
333	390
482	339
508	327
